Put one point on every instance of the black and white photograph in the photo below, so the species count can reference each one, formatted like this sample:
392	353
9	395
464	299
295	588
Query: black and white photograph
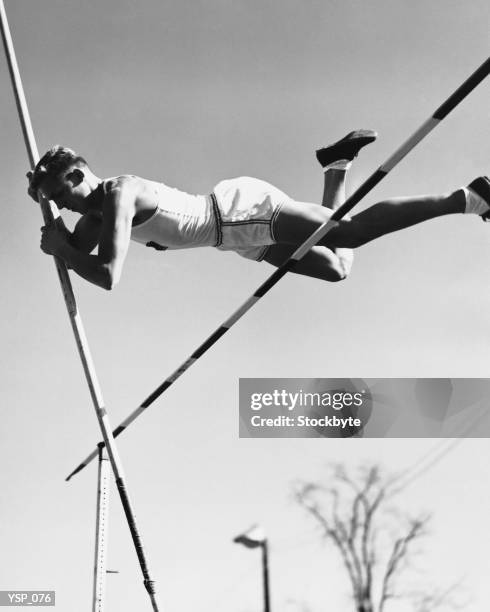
246	312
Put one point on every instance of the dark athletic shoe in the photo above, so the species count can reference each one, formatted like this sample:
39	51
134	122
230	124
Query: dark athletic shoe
481	186
346	148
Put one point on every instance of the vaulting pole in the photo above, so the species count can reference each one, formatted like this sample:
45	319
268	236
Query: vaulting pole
50	213
467	87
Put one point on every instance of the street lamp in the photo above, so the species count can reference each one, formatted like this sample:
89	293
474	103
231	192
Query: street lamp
255	538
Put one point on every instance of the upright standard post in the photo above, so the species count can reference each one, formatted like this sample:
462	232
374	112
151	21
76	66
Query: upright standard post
50	213
454	99
101	531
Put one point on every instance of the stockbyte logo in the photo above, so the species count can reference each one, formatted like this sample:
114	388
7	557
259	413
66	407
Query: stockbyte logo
313	407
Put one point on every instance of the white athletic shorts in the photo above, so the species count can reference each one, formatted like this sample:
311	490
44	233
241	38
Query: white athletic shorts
246	211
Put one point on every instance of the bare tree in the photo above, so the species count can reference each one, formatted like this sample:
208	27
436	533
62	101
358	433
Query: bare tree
375	541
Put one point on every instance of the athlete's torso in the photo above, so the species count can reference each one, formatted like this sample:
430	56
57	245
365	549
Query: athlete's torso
166	217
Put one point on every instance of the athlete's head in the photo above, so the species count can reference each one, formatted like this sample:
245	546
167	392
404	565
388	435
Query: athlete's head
61	175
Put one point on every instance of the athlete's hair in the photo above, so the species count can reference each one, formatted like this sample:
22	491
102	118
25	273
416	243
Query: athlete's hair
54	163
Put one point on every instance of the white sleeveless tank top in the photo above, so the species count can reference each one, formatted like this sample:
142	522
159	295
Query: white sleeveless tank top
180	220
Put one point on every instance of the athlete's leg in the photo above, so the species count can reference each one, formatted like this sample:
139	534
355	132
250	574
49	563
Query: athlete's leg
296	221
396	214
399	213
322	262
334	188
336	159
333	198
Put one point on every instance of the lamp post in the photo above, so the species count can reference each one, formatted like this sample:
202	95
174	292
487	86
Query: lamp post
265	574
255	538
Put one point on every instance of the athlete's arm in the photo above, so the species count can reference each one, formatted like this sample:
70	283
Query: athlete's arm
85	236
103	269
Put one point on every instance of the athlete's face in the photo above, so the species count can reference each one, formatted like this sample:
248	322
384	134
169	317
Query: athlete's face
68	192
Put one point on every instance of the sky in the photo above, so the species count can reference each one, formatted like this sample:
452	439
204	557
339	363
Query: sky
189	94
